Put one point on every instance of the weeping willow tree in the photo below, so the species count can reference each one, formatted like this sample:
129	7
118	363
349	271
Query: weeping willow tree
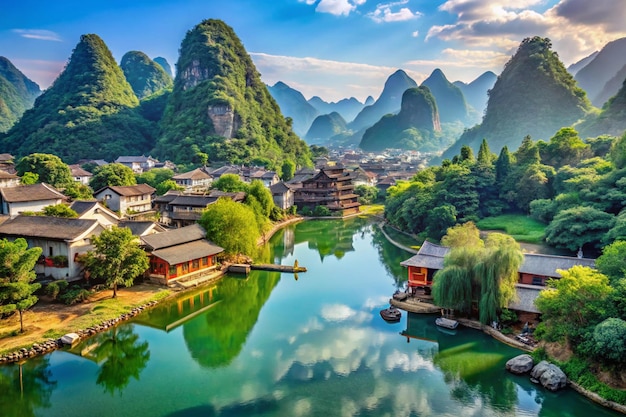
454	286
484	274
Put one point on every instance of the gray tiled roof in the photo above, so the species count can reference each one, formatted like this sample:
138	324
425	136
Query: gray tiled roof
58	228
129	190
174	237
187	251
35	192
193	200
138	228
526	295
546	265
196	174
429	256
81	206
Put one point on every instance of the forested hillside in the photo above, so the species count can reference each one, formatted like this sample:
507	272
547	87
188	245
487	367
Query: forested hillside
577	188
219	106
89	112
17	94
145	76
534	95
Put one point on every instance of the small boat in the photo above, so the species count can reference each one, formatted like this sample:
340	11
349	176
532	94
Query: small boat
391	314
400	295
446	323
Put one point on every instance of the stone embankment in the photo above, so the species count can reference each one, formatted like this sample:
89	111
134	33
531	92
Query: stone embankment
53	344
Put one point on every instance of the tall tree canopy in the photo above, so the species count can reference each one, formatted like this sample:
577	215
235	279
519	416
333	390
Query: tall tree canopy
17	271
49	168
117	258
111	175
231	225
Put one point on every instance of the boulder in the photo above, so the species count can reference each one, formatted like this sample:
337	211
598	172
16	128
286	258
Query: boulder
549	375
520	364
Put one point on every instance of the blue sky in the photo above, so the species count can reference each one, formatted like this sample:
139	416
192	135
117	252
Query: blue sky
330	48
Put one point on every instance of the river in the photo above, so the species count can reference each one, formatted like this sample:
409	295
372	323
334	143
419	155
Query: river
274	344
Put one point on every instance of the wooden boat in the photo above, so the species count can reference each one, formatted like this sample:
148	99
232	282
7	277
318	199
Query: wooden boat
391	314
446	323
400	295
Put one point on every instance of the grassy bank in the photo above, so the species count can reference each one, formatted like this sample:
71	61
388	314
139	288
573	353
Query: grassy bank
522	228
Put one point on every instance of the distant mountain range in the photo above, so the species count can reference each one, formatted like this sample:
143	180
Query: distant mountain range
17	94
99	109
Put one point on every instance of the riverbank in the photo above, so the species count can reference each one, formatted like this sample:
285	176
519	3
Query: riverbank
48	320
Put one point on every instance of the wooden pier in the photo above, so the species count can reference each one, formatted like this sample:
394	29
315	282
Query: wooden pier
245	268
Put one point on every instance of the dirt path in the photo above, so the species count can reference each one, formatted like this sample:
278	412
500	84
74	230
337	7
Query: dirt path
48	319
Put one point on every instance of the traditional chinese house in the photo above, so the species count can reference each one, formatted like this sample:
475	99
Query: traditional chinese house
180	253
535	270
331	187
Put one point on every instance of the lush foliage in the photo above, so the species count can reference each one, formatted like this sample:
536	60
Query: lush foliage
59	210
534	95
367	194
17	271
48	168
89	112
231	225
215	73
117	258
581	198
145	76
111	175
17	93
477	271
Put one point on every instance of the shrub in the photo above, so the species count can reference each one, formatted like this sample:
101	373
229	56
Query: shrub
55	288
508	316
321	211
75	294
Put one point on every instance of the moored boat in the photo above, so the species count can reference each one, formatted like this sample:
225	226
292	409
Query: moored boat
446	323
391	314
400	295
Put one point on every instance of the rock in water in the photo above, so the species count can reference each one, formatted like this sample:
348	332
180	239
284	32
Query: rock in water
520	364
549	375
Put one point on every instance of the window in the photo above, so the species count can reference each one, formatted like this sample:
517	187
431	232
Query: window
172	270
195	263
537	281
185	268
50	251
205	261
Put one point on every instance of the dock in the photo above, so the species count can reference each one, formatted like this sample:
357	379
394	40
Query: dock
245	268
278	268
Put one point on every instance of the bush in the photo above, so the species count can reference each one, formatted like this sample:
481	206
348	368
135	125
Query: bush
75	294
321	211
306	211
55	288
508	316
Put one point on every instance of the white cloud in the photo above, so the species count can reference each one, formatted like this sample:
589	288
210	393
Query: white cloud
39	34
384	12
338	7
575	28
415	34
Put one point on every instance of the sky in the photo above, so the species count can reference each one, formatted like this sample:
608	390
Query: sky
333	49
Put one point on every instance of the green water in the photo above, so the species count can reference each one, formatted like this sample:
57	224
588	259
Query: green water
273	345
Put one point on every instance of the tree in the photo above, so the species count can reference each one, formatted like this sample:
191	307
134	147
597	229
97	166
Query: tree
288	169
230	183
49	168
565	148
609	338
155	176
474	270
59	210
498	272
78	191
367	193
439	219
263	195
576	227
612	262
231	225
166	186
112	175
463	235
17	271
116	258
29	178
574	304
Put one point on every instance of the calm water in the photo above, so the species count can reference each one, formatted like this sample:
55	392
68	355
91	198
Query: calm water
274	345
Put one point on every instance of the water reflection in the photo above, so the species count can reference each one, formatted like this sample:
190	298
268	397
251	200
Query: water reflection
26	386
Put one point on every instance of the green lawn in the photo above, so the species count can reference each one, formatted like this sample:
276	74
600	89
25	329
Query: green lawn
522	228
